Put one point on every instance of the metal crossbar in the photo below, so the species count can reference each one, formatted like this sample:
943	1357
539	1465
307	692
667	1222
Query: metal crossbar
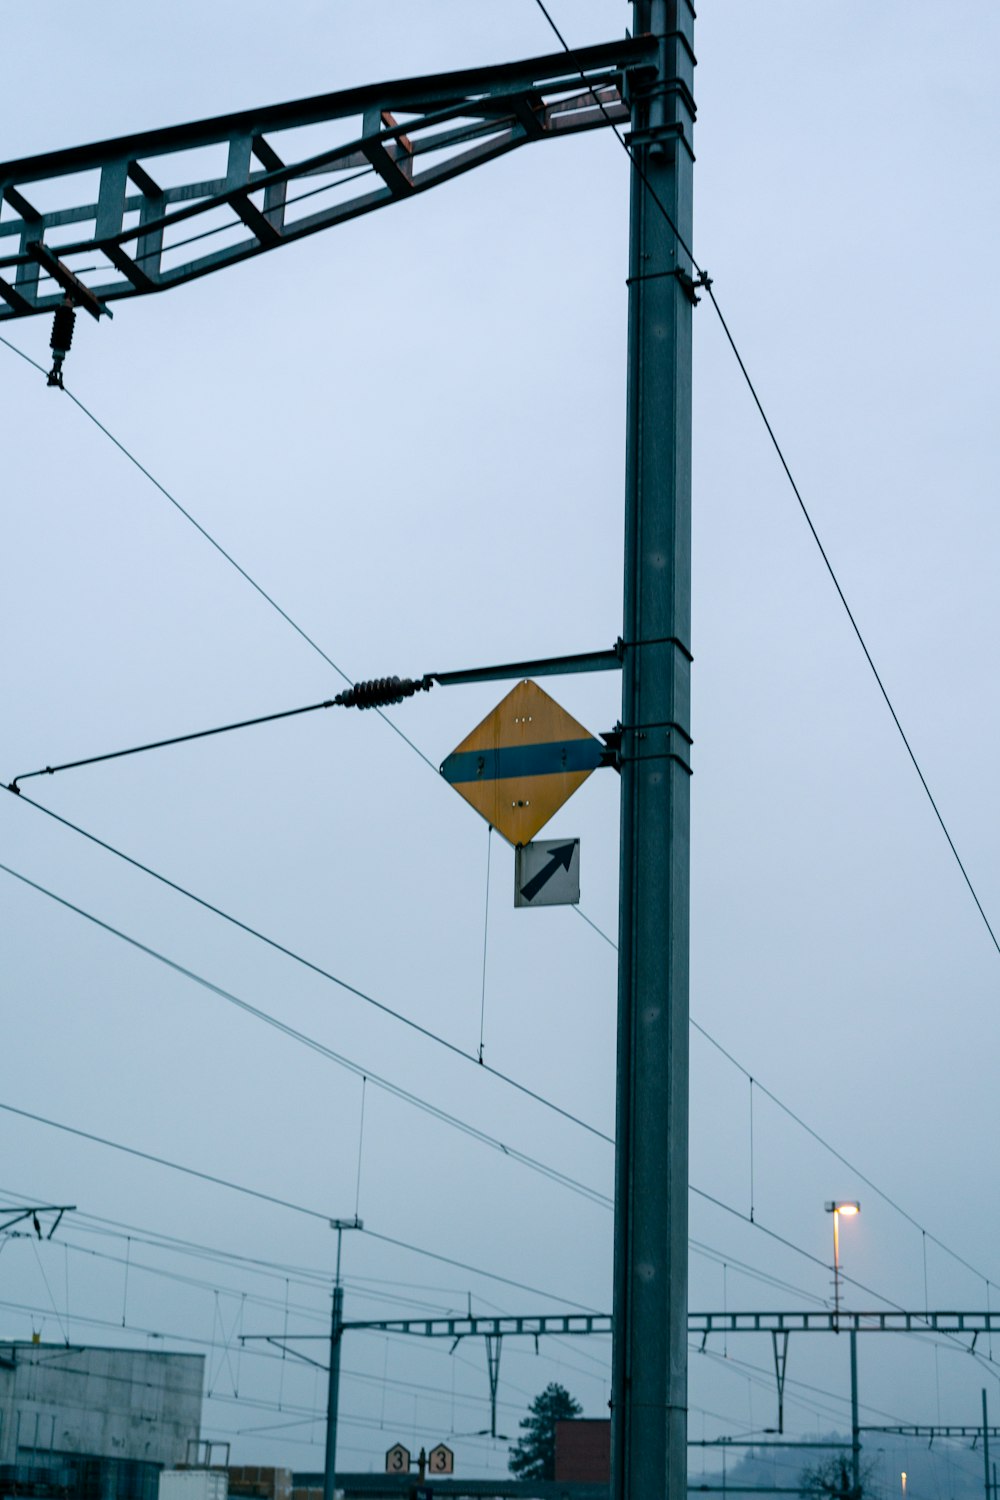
703	1323
131	221
460	1328
848	1322
918	1431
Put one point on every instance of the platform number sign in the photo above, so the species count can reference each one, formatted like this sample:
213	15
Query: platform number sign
397	1460
441	1460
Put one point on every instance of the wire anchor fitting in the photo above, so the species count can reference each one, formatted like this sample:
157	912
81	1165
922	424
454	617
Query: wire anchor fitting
690	284
380	692
63	324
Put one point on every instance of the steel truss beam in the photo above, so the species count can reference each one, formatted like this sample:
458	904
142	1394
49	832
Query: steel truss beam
130	221
852	1322
19	1214
778	1324
935	1431
494	1328
703	1323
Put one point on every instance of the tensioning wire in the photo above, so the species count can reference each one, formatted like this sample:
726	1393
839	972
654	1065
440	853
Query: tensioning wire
820	1140
317	969
394	1089
812	529
311	1213
267	1019
462	1125
227	556
389	1239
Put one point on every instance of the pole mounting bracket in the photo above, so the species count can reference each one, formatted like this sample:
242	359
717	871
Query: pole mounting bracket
690	284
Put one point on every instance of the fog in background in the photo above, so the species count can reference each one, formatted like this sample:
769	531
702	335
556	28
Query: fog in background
410	431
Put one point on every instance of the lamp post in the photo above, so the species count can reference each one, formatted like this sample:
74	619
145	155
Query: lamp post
333	1386
849	1211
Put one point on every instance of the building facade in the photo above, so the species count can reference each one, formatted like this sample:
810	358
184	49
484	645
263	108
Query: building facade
60	1402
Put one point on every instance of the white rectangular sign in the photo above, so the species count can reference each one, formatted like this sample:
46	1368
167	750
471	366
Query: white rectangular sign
547	873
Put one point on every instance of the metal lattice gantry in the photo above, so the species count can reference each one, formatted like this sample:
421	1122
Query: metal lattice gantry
945	1430
779	1325
129	219
891	1321
14	1214
491	1330
460	1328
698	1323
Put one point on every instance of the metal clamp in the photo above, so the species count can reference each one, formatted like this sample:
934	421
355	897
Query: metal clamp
656	640
689	284
669	753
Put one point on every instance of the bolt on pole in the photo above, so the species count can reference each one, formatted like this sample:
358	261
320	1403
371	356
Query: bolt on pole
649	1360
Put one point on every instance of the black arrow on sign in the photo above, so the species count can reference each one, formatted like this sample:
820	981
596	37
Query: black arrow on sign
562	856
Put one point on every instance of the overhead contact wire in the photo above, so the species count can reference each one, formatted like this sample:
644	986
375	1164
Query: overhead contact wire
176	739
469	1057
317	969
707	285
403	1244
312	1213
433	1110
850	615
269	599
228	556
820	1140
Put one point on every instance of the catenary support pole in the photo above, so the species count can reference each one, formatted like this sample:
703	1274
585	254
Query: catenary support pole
649	1363
986	1447
333	1391
333	1380
855	1424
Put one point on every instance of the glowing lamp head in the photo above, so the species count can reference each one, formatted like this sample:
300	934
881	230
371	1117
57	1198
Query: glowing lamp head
848	1210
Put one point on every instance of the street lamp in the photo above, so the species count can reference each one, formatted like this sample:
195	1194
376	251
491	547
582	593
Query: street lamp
849	1211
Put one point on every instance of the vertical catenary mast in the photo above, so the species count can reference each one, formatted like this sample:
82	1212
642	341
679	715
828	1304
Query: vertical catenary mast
649	1362
333	1376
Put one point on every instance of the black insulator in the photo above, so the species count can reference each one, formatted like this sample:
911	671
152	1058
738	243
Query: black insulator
380	692
62	329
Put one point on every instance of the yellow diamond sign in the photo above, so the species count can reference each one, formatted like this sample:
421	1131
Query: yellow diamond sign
522	762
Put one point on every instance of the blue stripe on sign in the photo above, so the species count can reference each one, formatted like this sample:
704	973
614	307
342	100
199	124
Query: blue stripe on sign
514	761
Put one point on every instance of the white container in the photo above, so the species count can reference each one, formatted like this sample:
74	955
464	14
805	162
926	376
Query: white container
194	1484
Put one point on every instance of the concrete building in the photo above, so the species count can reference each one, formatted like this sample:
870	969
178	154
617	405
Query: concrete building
60	1402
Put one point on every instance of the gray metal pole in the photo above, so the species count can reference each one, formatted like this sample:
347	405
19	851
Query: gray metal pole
333	1381
649	1360
333	1389
986	1447
855	1426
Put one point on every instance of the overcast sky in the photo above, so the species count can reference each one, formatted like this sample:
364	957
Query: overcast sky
410	432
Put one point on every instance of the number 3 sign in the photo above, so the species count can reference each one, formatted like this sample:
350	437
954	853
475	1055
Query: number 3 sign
441	1460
